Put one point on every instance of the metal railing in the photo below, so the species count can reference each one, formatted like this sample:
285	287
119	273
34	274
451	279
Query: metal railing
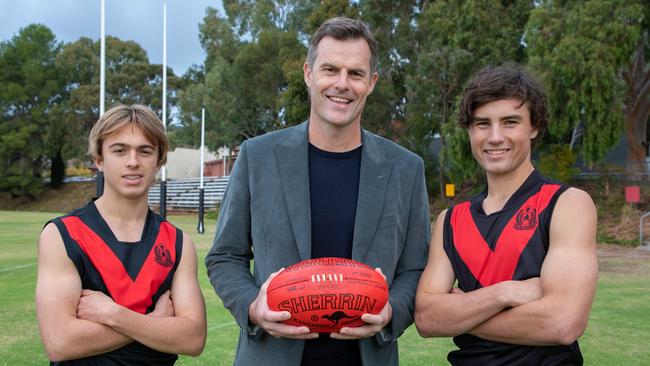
641	242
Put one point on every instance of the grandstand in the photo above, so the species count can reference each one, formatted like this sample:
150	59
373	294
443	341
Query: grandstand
183	194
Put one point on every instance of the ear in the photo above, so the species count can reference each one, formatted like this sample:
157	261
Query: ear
99	163
306	70
534	133
373	82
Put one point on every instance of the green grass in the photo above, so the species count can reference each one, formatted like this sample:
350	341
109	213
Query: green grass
617	333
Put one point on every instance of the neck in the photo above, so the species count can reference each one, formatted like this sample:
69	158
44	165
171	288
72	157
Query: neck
502	186
120	208
335	138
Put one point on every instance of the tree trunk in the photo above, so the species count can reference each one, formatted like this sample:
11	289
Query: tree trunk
637	111
441	160
57	171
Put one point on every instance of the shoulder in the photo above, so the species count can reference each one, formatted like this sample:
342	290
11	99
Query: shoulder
442	217
390	149
273	138
575	200
50	232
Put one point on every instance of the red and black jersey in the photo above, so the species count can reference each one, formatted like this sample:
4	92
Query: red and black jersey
510	244
133	274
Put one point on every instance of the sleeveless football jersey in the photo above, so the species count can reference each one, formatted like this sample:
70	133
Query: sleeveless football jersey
509	244
133	274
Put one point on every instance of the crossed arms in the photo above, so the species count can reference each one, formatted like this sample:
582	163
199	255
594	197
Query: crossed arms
550	310
76	323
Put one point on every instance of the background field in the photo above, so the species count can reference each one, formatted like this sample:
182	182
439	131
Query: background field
618	331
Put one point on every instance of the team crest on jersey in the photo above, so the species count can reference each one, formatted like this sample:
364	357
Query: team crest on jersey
162	255
526	219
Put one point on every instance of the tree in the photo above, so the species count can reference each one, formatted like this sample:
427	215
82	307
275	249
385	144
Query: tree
130	78
579	49
245	79
29	88
456	39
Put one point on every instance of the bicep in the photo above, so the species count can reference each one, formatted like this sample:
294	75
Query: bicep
58	286
186	293
570	270
438	276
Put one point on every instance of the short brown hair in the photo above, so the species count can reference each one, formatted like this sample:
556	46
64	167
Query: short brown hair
507	81
136	114
343	29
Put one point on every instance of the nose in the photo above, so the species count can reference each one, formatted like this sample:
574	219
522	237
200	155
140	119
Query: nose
496	134
342	81
132	162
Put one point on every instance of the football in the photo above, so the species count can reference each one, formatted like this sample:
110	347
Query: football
326	294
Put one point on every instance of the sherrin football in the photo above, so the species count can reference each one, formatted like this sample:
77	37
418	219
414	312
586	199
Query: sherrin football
326	294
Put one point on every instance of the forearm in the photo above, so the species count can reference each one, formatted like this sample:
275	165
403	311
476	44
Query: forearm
77	338
538	323
451	314
172	334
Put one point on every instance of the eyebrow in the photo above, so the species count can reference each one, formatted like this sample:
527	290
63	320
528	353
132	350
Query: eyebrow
350	71
517	117
119	144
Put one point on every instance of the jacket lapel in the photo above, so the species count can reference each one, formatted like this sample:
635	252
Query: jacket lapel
373	181
293	163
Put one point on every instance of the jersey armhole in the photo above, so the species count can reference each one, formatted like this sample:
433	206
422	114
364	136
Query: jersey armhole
550	209
71	247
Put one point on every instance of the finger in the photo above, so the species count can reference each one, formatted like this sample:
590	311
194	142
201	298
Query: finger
356	333
265	285
288	331
381	273
86	292
375	319
294	336
275	316
457	291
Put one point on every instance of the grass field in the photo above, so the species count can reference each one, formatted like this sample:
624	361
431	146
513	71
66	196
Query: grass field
618	332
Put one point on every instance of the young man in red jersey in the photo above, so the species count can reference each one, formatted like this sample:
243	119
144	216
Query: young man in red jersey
523	251
117	284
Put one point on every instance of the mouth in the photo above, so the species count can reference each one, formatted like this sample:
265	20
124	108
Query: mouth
339	99
496	152
133	178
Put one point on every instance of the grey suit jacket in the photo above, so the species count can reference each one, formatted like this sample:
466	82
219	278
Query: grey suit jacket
265	214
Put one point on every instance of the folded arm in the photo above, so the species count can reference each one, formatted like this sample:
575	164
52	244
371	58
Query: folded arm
439	312
58	289
182	332
568	279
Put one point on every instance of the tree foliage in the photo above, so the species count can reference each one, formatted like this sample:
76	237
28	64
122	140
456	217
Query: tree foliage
49	100
29	90
457	39
579	48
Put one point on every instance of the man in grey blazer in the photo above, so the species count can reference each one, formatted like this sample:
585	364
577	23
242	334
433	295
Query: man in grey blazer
323	188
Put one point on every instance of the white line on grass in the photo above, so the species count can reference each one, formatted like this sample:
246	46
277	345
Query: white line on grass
222	325
17	267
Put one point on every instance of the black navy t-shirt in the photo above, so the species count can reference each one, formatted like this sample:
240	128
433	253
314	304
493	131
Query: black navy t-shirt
334	188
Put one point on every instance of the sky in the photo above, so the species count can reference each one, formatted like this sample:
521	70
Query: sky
136	20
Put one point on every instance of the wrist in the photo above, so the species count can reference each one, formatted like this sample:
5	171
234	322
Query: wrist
114	316
251	314
504	295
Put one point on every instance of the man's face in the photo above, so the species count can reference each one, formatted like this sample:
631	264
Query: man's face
129	162
500	136
339	81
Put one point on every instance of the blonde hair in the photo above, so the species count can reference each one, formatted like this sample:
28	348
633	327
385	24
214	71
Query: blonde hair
137	115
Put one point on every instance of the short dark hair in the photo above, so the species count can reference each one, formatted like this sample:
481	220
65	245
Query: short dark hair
507	81
343	29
